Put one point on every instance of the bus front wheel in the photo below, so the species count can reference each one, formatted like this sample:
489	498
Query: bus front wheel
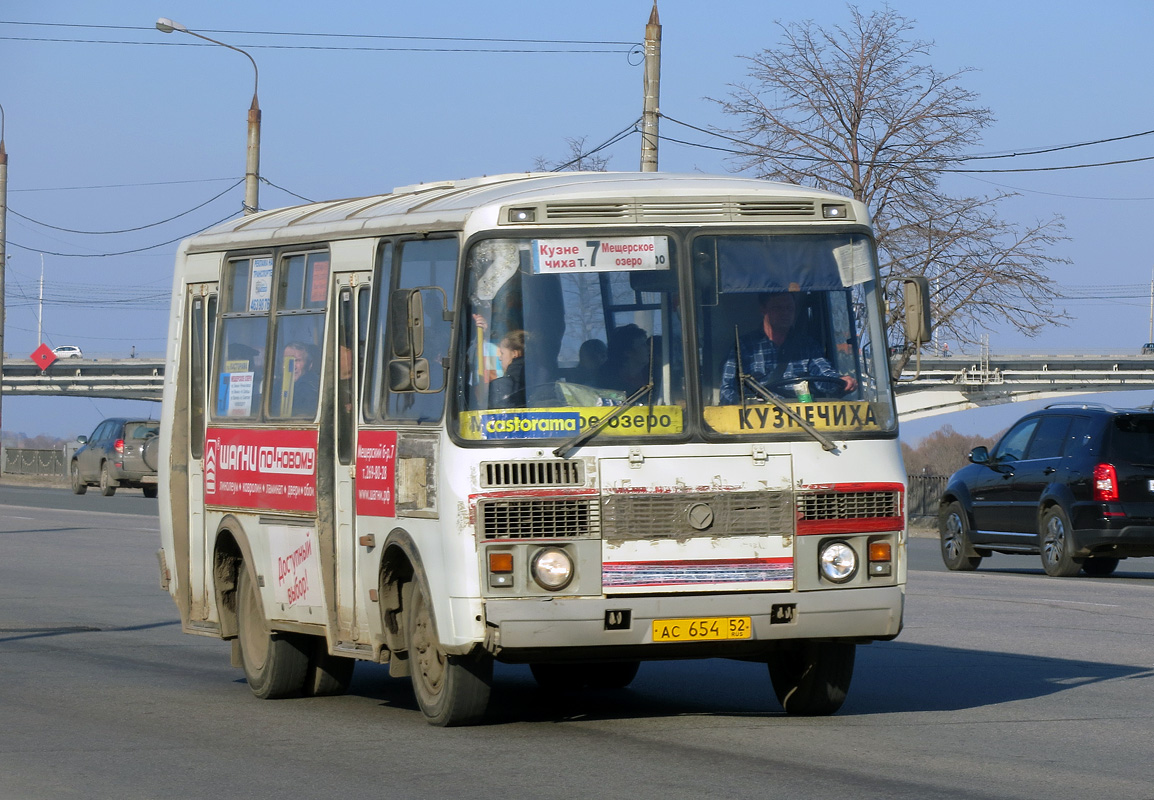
451	690
811	679
275	664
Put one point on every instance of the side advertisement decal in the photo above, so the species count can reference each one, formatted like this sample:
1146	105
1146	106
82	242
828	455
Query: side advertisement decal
266	470
376	473
296	565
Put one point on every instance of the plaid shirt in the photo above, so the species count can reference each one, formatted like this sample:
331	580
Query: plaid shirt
759	360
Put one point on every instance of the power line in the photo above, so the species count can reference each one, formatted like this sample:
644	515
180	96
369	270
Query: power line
118	185
750	150
286	191
252	46
318	34
614	139
130	230
122	252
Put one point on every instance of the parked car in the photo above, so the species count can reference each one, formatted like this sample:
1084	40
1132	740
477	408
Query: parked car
1072	482
1148	349
119	453
67	351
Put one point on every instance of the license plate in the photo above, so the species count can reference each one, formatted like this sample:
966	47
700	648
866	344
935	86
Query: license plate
701	629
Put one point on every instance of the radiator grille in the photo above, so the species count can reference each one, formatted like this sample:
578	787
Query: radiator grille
532	473
663	515
816	506
537	518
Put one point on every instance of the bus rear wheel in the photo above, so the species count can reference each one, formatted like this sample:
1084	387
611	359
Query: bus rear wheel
275	664
811	679
451	690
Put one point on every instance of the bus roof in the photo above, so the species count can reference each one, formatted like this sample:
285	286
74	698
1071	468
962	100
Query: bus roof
564	198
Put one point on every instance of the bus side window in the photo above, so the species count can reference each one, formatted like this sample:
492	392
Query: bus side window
346	394
238	370
300	317
197	376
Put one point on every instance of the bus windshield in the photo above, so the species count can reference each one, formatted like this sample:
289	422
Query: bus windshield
557	332
793	319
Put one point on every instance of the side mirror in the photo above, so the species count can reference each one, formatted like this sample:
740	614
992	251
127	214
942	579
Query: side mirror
407	315
82	439
916	297
980	455
409	375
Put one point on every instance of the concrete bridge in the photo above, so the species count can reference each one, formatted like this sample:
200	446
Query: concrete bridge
122	379
942	385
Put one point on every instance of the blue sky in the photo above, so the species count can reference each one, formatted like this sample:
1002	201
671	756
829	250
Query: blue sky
160	125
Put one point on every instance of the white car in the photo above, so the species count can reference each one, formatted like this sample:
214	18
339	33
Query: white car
67	351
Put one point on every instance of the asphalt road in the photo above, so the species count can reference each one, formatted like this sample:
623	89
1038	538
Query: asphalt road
1004	684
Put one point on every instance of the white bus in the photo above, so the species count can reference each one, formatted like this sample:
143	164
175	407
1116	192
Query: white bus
574	421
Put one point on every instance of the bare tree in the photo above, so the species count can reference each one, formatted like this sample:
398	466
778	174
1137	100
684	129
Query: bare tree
578	160
943	452
856	110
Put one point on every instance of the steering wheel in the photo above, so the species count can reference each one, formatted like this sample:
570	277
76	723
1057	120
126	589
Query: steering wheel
836	382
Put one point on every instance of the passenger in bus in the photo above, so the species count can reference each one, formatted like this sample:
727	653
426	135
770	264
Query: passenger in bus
775	353
591	358
508	391
627	366
305	377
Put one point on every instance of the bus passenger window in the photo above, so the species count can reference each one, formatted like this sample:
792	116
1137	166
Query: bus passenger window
300	318
238	370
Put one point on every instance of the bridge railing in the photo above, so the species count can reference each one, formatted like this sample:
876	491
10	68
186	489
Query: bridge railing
922	496
27	461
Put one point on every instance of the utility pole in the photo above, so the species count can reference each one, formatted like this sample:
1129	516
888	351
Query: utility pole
3	249
652	90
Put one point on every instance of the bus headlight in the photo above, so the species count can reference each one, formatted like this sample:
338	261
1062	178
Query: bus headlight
552	568
837	562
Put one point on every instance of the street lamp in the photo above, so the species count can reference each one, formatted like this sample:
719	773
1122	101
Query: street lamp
252	164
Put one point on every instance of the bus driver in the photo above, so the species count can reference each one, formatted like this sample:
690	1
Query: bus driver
770	355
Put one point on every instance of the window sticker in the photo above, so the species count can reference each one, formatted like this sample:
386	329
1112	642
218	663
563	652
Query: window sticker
600	255
260	285
234	399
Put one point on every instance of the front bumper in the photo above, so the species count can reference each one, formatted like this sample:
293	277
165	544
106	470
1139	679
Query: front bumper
520	630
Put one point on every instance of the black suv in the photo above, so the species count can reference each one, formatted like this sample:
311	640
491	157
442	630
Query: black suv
1074	483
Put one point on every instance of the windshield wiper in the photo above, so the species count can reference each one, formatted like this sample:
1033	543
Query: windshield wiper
630	401
585	435
748	380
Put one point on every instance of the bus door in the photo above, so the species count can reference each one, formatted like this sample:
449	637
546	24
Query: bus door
202	305
352	293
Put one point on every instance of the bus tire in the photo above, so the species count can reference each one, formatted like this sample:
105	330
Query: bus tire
451	690
275	664
811	679
327	674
